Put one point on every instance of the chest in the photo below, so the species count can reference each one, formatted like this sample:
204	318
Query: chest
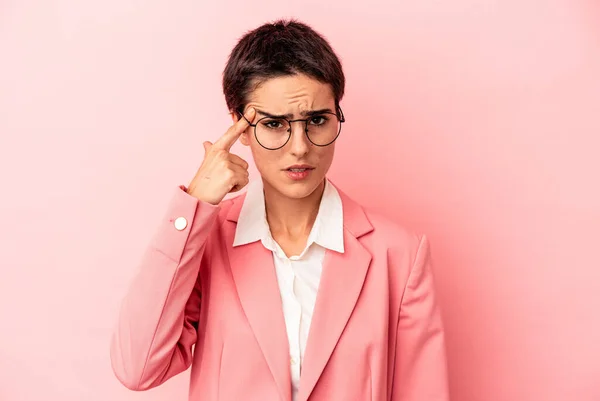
298	279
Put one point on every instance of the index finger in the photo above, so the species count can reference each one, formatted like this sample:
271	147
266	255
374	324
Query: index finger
234	132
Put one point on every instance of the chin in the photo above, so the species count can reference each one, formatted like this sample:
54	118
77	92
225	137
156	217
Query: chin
298	191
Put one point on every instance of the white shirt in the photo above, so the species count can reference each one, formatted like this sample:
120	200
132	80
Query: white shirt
298	276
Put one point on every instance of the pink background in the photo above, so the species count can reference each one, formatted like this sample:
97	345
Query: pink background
477	122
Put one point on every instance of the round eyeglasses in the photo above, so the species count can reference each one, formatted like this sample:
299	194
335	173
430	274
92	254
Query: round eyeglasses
321	128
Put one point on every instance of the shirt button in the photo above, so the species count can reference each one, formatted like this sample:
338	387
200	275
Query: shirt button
180	223
293	360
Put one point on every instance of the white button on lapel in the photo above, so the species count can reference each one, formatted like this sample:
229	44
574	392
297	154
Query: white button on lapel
180	223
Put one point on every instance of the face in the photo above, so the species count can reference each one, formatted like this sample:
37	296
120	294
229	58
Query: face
294	95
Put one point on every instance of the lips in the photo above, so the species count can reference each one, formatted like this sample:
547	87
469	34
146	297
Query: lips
298	173
299	168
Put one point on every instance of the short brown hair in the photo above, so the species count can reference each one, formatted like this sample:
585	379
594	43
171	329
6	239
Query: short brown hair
280	48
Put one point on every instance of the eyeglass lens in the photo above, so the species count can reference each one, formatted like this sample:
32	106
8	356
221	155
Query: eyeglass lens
273	133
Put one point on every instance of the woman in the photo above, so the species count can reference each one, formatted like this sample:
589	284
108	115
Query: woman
291	291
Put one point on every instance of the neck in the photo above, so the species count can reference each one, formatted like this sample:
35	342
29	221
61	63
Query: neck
292	218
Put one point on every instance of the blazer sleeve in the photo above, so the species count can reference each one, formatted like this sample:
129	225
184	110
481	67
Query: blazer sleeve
157	323
420	372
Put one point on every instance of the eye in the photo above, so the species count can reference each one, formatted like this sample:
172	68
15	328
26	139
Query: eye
273	124
318	120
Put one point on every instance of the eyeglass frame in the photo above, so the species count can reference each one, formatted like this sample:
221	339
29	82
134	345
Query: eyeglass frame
340	117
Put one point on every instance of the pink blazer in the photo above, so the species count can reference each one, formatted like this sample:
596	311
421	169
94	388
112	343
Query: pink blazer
376	332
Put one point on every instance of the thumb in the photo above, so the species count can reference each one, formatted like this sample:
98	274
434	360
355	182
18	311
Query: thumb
207	145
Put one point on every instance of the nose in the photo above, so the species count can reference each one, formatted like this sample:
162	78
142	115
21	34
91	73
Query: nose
299	143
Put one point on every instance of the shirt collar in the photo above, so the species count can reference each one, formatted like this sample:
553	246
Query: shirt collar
327	231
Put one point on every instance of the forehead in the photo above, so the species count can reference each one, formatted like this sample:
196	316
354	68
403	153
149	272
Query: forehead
281	94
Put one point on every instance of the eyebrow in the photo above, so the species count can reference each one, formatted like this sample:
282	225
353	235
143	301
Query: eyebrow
290	115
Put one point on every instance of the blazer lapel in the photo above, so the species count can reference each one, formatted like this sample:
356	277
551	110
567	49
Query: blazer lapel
341	283
254	275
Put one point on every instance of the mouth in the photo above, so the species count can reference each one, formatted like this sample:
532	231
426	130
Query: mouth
299	172
299	168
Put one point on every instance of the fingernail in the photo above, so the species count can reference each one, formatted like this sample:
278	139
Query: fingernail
250	111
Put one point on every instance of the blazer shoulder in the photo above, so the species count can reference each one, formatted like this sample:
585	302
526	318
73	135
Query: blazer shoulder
361	219
391	231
